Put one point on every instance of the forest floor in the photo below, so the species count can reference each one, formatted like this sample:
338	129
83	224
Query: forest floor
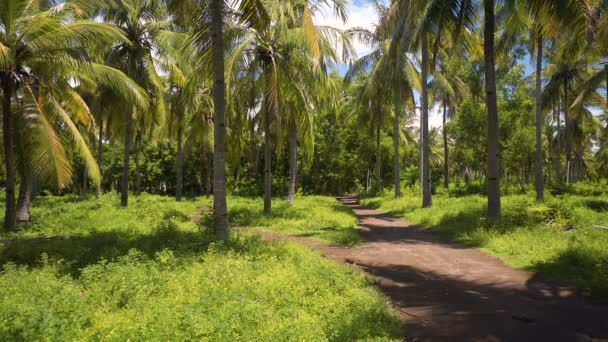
448	291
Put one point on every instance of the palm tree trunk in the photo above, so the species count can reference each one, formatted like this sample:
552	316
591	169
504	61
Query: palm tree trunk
209	185
293	161
124	182
568	142
100	153
494	210
446	165
427	197
137	170
24	202
9	157
378	159
25	187
267	162
396	138
180	163
220	207
540	181
558	137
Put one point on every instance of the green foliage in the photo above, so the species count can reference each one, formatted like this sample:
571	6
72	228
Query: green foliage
555	238
311	216
91	270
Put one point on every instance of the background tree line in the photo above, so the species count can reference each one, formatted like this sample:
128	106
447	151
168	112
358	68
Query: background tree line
208	97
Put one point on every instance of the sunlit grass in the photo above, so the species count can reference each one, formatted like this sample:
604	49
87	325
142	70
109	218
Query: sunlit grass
91	270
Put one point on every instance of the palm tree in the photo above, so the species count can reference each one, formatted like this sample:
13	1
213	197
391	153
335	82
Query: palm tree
287	54
43	50
220	207
489	27
141	22
390	62
449	89
432	19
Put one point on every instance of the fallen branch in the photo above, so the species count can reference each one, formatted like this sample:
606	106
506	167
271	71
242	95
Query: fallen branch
600	226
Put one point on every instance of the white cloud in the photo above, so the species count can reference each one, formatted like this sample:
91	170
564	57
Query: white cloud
359	15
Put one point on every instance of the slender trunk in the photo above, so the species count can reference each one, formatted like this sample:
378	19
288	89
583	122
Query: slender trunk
24	203
446	166
567	123
9	157
124	183
493	181
378	159
293	161
267	161
558	164
427	197
100	154
137	171
540	181
26	189
180	163
220	207
396	138
209	186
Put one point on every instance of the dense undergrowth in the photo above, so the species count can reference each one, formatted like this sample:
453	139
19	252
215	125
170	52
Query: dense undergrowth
556	238
90	270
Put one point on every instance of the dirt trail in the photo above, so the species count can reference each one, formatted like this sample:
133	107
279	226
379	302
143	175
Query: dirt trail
448	292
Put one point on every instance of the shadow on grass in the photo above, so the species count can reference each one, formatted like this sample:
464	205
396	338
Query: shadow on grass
584	269
77	252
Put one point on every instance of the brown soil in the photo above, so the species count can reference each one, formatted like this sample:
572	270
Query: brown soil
445	291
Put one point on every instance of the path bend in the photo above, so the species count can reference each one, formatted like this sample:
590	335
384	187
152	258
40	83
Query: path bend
445	291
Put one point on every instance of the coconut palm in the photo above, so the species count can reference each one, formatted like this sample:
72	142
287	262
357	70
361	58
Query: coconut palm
390	63
142	22
288	56
416	22
43	51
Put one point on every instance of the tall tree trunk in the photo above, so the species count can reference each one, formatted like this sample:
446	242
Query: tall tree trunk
558	163
267	161
100	154
26	175
568	138
378	160
24	202
137	170
293	161
124	182
396	138
446	165
9	157
494	210
220	207
180	163
427	197
540	181
209	185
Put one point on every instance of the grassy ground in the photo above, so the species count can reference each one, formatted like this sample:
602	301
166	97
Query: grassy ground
310	216
90	270
555	238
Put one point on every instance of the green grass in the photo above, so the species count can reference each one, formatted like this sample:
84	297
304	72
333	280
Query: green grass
533	236
320	217
90	270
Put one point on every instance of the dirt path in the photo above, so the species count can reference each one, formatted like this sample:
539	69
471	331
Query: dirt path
448	292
